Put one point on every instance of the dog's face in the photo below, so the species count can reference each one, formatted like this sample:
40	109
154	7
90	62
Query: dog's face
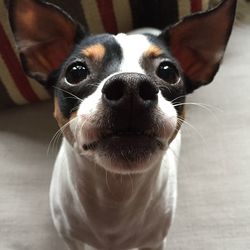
119	99
123	117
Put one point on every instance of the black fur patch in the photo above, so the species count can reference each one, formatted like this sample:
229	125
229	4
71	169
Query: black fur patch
70	96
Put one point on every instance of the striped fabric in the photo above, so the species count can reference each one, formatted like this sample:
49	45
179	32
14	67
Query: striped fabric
98	16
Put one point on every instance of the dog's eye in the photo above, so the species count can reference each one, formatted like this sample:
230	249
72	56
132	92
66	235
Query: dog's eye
76	72
168	72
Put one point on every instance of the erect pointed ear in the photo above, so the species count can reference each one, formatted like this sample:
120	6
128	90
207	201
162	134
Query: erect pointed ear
198	42
44	34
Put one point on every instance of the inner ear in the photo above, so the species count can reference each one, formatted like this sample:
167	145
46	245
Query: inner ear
198	42
45	35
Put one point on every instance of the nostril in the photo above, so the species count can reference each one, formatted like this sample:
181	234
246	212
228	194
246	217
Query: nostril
114	91
148	91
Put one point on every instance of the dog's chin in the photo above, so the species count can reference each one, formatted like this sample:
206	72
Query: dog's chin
125	154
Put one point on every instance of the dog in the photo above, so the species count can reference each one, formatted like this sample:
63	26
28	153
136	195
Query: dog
119	102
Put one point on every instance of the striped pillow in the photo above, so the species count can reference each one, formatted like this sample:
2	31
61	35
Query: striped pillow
98	16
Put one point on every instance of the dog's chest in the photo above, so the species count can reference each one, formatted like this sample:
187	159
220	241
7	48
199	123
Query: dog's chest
120	228
94	211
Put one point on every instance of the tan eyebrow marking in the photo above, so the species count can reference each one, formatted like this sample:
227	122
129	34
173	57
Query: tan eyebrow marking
95	52
153	51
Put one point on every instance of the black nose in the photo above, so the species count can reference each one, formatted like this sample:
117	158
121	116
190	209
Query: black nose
130	89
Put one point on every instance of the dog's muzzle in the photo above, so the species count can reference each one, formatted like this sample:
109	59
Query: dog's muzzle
127	126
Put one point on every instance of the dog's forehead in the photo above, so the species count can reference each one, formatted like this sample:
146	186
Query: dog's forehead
133	45
128	50
134	48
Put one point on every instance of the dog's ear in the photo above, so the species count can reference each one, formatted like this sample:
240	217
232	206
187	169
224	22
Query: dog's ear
44	34
198	42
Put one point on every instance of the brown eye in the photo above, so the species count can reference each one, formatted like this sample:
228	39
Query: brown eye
76	73
168	72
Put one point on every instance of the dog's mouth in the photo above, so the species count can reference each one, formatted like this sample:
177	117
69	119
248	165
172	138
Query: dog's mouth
124	150
131	141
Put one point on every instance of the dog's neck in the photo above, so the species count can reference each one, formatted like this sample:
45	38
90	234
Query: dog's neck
112	204
112	189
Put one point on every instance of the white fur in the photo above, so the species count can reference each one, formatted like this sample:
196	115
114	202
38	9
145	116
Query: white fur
151	31
94	207
133	47
113	212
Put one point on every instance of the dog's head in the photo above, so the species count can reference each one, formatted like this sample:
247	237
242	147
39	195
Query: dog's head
119	98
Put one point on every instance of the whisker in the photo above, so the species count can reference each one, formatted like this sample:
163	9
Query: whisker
181	96
74	109
107	181
194	129
208	107
68	93
58	134
52	141
92	85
